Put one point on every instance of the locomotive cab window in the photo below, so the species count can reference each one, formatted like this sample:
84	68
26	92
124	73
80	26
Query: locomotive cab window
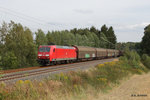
41	49
44	49
47	49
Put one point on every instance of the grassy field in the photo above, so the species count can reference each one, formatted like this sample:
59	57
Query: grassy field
81	85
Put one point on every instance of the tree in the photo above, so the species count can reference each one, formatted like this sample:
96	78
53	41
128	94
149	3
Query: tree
40	38
67	38
78	39
50	40
145	44
93	40
56	37
18	46
94	30
31	50
110	35
104	30
111	38
103	42
74	31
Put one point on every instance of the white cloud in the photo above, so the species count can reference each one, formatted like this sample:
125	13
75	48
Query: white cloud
133	26
141	25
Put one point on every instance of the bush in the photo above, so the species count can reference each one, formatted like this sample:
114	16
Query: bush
132	58
146	60
9	60
132	62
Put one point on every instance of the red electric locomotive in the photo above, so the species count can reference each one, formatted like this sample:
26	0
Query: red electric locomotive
52	54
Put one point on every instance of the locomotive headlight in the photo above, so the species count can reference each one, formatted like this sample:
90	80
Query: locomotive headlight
39	55
47	55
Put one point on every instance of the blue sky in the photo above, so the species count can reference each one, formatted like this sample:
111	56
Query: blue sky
128	17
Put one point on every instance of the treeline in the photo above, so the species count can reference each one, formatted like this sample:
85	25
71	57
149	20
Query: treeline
129	45
18	47
104	38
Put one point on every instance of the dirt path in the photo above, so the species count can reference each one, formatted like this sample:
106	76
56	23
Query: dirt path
136	88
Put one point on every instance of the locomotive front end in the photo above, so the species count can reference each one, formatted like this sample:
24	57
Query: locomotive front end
44	55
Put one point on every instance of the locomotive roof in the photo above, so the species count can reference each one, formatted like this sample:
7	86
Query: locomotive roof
86	47
58	46
64	47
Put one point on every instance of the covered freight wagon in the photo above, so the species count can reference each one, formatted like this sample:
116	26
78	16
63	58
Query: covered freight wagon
116	53
85	52
101	53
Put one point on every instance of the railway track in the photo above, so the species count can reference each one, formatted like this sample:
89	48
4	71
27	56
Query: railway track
20	69
30	72
8	77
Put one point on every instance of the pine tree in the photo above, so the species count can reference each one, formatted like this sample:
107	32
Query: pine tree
104	30
111	38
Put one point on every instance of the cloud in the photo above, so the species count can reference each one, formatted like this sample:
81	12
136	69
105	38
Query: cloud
141	25
83	11
134	26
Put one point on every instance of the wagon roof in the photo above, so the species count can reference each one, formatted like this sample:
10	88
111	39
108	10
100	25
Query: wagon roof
84	48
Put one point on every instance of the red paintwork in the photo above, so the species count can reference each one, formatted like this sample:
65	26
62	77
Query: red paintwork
58	53
43	54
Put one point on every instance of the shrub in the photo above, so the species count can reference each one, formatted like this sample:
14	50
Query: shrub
132	58
9	60
146	60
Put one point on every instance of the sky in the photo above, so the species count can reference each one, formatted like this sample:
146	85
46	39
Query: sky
128	17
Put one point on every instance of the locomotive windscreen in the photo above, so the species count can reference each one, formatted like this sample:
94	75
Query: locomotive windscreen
44	49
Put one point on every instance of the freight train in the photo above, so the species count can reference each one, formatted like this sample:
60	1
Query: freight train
54	54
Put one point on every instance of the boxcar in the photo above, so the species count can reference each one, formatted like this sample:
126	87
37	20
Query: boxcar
85	52
101	53
116	53
110	53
